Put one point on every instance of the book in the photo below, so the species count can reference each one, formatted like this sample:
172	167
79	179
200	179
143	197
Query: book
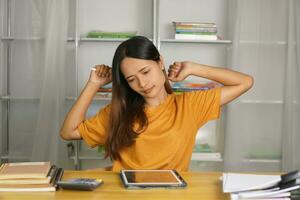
33	170
193	32
107	34
193	24
196	30
105	88
185	86
195	37
44	180
45	187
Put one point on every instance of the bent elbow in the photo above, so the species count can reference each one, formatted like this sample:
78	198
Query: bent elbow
64	135
249	82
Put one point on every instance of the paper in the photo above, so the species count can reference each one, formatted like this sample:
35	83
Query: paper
235	182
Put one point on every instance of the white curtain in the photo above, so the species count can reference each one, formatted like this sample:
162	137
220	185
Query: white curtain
262	126
37	80
291	115
51	109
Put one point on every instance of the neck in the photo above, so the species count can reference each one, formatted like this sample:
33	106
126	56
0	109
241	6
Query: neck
155	101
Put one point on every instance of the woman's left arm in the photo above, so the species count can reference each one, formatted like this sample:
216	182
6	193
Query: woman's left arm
234	83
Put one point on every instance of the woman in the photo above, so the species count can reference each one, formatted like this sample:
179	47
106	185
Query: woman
146	126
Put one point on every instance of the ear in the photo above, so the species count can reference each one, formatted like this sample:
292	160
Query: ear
161	62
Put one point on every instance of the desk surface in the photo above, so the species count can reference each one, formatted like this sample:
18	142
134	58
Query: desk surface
200	186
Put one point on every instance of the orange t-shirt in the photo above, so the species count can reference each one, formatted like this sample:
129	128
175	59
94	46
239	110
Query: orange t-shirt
168	141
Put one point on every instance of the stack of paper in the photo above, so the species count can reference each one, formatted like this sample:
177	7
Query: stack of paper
29	176
251	186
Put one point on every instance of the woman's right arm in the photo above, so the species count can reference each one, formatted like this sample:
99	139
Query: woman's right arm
101	76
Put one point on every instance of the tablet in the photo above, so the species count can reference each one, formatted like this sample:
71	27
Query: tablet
152	179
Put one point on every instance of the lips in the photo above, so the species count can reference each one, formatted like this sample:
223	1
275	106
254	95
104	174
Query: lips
147	91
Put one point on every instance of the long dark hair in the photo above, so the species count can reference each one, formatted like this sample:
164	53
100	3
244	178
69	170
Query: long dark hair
127	106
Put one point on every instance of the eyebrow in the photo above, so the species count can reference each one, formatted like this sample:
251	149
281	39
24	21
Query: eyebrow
138	71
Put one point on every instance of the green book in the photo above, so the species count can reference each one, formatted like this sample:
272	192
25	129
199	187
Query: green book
104	34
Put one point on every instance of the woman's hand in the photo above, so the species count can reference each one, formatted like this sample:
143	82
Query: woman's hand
101	74
179	71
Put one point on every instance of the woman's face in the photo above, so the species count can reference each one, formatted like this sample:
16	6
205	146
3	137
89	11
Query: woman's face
144	76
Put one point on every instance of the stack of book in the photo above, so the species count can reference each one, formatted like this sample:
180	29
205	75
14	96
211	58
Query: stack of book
251	186
29	176
185	86
205	152
195	31
105	91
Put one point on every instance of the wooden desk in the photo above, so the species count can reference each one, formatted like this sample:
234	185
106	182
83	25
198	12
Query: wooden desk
205	186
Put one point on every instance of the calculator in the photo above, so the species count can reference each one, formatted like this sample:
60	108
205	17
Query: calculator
80	184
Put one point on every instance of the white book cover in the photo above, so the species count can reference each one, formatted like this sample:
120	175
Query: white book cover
195	37
236	182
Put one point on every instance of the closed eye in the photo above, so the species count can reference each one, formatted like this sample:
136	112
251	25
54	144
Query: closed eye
146	72
130	80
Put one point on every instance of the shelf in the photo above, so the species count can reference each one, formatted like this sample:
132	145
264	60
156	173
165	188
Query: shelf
196	41
88	158
94	99
260	102
85	39
10	157
8	98
20	38
256	160
263	42
69	39
215	157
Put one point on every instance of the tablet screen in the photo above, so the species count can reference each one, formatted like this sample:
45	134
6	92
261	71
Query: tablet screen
151	177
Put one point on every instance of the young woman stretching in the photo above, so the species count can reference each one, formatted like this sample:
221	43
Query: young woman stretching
146	126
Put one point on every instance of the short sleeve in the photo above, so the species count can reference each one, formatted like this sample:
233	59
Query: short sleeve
95	129
205	105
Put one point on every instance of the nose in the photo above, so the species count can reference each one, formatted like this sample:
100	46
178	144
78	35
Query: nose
142	81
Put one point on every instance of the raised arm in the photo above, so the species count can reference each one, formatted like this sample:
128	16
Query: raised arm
98	77
235	83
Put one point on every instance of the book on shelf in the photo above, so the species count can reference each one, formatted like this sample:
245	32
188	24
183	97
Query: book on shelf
204	148
212	30
195	37
29	176
204	152
194	24
110	34
105	88
186	86
104	95
195	31
252	186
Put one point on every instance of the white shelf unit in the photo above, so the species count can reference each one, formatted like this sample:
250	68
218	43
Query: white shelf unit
152	18
145	16
88	49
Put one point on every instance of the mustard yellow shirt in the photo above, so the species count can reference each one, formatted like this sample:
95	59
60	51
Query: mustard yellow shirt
168	141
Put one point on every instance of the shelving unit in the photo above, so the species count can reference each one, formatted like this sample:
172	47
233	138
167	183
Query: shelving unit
156	31
151	19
